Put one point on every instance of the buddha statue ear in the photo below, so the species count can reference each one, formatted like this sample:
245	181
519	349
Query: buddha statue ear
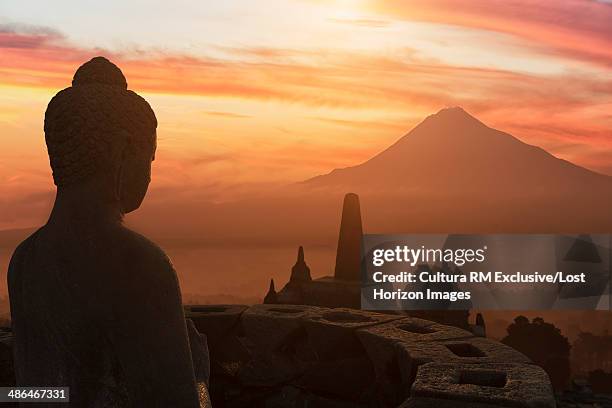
119	174
133	175
118	160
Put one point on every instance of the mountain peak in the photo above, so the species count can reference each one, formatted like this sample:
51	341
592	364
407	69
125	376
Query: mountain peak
452	150
449	127
455	114
451	110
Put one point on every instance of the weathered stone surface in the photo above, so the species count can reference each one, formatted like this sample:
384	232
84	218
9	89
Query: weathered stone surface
229	356
234	395
497	384
475	350
456	318
412	329
268	327
299	347
332	332
221	326
215	321
380	344
270	369
349	379
441	403
470	350
399	347
276	356
479	349
199	353
294	397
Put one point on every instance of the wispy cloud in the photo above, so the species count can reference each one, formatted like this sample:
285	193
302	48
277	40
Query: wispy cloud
362	22
339	80
229	115
578	29
17	37
399	125
30	30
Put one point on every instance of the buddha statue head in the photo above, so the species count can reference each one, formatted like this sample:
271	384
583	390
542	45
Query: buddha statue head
101	134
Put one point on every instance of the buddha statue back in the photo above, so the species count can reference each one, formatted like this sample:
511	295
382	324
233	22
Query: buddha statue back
95	306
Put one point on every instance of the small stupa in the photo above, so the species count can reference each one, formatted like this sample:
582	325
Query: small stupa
271	297
300	271
343	289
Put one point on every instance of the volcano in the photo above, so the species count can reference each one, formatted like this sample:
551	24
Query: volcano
450	174
453	151
453	171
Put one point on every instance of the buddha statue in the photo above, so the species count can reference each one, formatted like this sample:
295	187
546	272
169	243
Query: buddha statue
95	306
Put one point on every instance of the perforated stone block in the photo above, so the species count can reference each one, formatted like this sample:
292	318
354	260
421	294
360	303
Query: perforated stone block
496	384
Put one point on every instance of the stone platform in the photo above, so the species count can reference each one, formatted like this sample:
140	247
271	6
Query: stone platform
306	356
291	356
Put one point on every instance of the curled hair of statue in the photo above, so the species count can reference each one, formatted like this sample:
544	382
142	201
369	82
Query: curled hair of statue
88	123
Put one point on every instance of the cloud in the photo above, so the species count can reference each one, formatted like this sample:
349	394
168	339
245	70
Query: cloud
399	125
29	29
26	36
327	79
577	29
542	109
260	52
229	115
362	22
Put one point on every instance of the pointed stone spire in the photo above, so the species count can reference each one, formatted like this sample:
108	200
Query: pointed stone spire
348	255
270	298
300	271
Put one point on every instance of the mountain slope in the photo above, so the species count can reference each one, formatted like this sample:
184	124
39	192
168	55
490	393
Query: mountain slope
452	152
452	173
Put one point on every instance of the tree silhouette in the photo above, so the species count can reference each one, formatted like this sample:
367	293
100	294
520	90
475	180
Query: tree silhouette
591	352
544	344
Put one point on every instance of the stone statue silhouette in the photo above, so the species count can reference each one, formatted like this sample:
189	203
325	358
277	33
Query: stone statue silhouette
94	305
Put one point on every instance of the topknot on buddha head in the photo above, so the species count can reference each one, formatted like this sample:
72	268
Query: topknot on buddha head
91	125
100	71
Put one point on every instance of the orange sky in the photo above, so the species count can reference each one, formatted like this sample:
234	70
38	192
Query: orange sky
252	94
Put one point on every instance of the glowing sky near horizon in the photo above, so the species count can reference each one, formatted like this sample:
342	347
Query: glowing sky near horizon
249	94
